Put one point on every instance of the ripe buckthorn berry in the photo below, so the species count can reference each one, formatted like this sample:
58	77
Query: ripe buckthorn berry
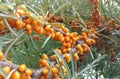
28	32
28	13
34	22
22	67
67	57
81	50
48	27
28	72
20	12
28	21
1	55
88	41
53	57
78	46
28	27
64	44
76	57
57	66
64	50
45	71
64	29
68	49
93	41
57	34
6	69
23	76
54	75
66	39
44	62
44	56
15	75
40	31
54	70
86	48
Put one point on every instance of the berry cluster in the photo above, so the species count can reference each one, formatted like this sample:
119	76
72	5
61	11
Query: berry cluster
81	43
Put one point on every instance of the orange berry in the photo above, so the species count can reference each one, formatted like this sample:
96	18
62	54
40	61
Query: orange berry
22	67
28	13
86	48
87	40
28	21
66	39
29	32
57	34
40	31
65	29
54	70
53	57
20	12
57	66
23	76
15	75
44	56
34	22
44	62
67	57
78	46
28	72
48	27
28	27
81	50
1	55
76	57
6	69
45	71
93	41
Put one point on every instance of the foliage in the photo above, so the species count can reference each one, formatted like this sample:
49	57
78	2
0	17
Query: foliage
22	47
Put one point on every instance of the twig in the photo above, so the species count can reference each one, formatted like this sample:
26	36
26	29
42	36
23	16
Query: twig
35	73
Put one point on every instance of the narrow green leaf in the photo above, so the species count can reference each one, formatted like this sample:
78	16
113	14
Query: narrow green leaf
72	63
8	16
61	70
93	64
61	7
66	65
46	41
0	44
10	46
85	69
4	7
33	43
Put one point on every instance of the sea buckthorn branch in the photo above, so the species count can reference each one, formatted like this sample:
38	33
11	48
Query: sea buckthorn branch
35	73
80	44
